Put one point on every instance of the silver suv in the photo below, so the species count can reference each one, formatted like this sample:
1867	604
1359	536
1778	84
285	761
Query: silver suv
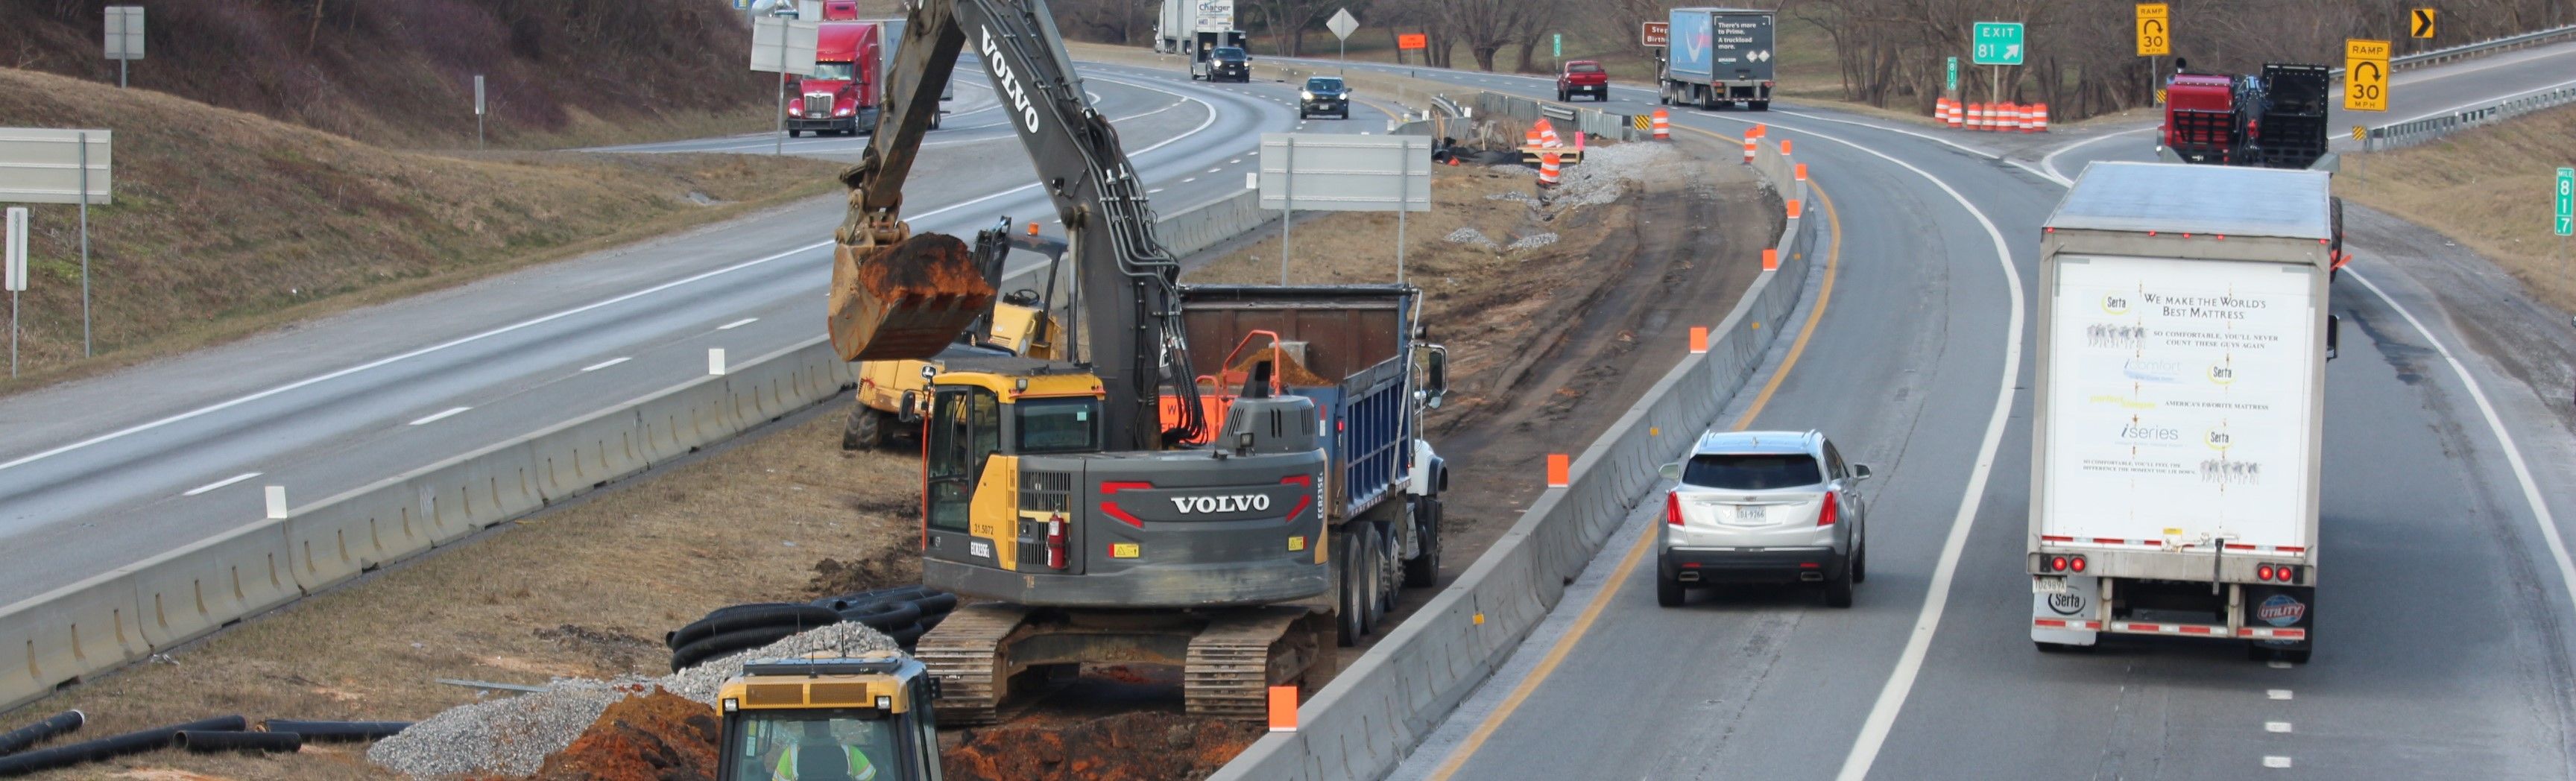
1763	506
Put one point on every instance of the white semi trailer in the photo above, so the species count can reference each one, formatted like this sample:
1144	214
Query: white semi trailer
2180	406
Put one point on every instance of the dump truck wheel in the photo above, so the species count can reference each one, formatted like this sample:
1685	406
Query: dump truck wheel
1347	596
1424	571
1371	579
868	429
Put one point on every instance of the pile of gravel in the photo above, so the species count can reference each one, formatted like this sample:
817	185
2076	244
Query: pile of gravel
1601	177
1533	241
1511	195
514	736
1469	235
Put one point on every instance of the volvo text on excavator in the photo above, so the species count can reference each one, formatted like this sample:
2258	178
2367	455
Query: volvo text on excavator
1115	504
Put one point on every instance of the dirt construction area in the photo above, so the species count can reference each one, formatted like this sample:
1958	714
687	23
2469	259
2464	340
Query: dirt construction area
1558	308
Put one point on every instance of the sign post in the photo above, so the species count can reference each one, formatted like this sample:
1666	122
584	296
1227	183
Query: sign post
1997	44
56	166
1333	172
2365	75
1342	24
478	112
16	278
124	37
783	46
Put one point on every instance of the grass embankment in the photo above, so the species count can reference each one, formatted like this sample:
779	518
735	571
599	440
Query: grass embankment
225	223
584	590
2489	188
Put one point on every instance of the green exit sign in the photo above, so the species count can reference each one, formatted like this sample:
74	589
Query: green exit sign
2567	202
1998	43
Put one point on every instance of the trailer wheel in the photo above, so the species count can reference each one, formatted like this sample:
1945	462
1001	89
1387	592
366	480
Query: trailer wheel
1760	105
2057	648
795	134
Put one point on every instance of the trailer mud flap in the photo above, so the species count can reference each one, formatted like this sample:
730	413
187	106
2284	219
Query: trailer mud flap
2061	607
2282	607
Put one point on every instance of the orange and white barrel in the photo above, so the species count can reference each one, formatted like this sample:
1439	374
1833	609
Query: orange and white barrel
1547	170
1663	126
2039	119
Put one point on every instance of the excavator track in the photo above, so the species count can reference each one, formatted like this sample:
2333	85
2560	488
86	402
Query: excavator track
1242	653
965	654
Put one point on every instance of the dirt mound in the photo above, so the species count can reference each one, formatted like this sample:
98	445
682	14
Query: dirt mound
1291	373
893	565
1125	747
655	736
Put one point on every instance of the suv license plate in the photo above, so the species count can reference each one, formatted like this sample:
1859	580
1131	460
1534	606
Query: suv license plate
1746	515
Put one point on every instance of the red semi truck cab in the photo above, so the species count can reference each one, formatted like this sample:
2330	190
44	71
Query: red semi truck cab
840	96
2200	117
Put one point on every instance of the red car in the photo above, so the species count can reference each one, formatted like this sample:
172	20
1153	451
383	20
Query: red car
1583	77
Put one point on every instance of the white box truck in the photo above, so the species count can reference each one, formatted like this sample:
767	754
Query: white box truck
2180	406
1718	58
1175	29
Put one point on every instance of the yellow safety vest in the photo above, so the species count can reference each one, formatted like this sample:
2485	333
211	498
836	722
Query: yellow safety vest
860	768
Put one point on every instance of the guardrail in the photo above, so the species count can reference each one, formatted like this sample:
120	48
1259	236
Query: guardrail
2467	50
1363	723
149	607
2405	134
1587	120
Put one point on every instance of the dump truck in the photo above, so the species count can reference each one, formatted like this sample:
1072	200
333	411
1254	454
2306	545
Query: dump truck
1718	58
2180	406
1176	28
2272	119
826	717
1115	504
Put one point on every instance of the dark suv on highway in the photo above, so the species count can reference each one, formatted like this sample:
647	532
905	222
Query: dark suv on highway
1324	95
1229	64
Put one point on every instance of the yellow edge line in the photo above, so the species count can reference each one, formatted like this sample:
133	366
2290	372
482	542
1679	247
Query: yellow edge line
1565	645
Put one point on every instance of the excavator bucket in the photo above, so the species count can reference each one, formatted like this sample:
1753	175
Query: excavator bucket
906	301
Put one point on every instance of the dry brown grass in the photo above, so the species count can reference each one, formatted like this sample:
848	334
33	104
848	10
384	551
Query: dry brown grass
226	223
2488	188
584	590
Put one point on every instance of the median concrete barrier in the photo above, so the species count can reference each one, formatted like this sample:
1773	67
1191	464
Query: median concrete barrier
68	634
1363	723
1188	232
184	594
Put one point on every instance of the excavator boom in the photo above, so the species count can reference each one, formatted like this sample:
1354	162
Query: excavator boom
1123	276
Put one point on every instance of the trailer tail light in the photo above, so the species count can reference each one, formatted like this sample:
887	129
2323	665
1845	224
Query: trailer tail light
1826	518
2263	572
2077	564
2065	564
1673	508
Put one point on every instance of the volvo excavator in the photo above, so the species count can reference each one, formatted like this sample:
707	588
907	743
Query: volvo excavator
1114	504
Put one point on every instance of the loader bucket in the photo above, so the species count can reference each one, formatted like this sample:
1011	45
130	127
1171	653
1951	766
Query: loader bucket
907	301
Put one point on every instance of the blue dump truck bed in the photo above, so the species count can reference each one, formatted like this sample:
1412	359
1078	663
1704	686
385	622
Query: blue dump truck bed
1350	346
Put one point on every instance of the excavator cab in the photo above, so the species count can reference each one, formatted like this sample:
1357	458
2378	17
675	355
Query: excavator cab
819	718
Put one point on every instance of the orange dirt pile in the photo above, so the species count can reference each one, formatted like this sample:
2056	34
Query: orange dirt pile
1125	747
1291	372
655	736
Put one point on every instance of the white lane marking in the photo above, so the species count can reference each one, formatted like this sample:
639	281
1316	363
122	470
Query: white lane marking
1925	136
2277	664
2512	454
1234	161
440	416
1214	170
1189	179
238	401
1155	190
2049	161
1900	681
607	363
737	324
2276	763
2277	694
2278	727
220	483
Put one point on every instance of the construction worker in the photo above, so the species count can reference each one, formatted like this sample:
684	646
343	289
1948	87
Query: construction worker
853	764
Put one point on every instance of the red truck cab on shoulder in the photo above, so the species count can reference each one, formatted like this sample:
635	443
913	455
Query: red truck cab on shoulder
840	95
1582	77
840	10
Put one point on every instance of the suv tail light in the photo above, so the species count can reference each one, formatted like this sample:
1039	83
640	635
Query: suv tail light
1826	518
1673	507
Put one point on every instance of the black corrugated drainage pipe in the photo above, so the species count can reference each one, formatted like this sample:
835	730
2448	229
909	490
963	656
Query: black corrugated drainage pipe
245	742
330	731
62	723
111	747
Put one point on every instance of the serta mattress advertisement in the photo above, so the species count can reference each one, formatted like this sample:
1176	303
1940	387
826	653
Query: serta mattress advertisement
2178	399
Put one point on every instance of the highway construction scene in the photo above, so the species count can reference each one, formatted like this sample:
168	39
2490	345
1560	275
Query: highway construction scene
1281	390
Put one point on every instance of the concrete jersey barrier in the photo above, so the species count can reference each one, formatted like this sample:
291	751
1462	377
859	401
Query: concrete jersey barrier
1379	708
109	620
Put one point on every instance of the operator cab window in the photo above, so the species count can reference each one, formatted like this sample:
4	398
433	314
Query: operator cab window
840	744
965	428
1752	471
1059	425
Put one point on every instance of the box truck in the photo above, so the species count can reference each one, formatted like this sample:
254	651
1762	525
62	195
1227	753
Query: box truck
1175	31
1718	58
2180	406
